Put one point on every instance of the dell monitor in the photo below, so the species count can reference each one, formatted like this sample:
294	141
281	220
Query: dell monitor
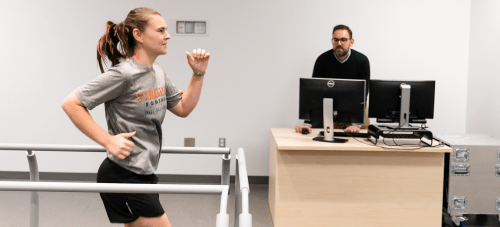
402	102
326	101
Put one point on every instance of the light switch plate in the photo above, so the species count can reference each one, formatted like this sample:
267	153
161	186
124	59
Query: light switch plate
188	27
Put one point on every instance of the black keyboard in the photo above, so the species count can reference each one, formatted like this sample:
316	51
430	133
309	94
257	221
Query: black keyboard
345	134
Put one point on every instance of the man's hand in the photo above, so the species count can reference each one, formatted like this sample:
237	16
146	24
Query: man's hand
198	61
120	146
299	128
352	128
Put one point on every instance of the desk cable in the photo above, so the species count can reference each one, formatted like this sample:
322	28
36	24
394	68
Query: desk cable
441	144
402	146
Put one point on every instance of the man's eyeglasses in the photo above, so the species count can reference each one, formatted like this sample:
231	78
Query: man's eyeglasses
342	41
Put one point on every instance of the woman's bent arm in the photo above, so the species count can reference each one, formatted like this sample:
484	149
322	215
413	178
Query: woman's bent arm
198	63
190	97
117	145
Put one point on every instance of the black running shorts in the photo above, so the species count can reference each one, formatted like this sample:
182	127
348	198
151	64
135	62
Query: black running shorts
127	207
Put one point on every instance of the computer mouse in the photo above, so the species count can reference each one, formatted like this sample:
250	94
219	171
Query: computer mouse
305	131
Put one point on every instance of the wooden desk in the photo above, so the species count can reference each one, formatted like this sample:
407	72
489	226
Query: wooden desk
352	184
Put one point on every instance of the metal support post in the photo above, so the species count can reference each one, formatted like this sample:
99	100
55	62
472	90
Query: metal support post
245	218
223	217
34	202
237	199
226	168
242	217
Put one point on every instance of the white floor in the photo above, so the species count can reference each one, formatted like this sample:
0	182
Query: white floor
86	209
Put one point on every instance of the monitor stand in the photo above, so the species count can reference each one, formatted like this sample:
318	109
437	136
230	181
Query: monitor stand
328	123
404	111
376	132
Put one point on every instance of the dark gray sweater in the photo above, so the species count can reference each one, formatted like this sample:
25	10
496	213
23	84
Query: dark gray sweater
356	67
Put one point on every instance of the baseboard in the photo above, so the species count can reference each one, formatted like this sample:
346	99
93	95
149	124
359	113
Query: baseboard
164	178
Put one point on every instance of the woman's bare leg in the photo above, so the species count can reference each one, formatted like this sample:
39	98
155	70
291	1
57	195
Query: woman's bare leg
161	221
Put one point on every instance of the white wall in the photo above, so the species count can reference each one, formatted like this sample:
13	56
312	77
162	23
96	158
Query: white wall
483	109
259	50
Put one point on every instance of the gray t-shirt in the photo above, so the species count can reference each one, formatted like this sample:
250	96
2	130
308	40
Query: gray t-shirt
135	98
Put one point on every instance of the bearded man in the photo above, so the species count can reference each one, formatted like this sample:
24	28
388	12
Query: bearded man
341	62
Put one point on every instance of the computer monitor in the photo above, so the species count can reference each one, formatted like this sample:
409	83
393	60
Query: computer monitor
403	102
344	100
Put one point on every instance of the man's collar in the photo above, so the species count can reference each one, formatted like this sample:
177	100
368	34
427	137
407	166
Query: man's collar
342	62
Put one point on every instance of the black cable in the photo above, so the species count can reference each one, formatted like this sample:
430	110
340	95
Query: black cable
393	132
399	148
408	145
389	146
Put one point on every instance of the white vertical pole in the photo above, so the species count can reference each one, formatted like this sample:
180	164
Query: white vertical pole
34	202
226	165
245	218
242	218
223	218
237	198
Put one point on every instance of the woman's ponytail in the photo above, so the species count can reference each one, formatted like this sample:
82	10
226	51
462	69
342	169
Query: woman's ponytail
118	41
107	47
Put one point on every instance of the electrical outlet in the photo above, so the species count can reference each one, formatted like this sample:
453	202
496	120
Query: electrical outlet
189	142
222	142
